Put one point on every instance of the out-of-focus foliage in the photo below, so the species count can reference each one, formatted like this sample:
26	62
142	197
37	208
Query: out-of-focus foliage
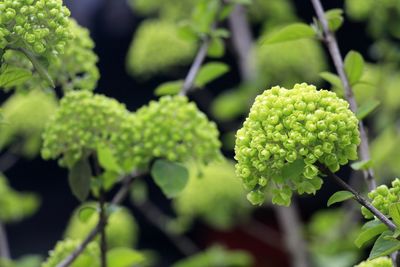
332	234
286	133
217	256
216	186
379	262
121	229
173	10
157	47
15	206
272	13
89	257
25	117
25	261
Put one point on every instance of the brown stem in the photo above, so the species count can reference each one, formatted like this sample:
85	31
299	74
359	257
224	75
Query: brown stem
337	59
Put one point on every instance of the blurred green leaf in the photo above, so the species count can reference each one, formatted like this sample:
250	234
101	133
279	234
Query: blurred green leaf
331	78
289	33
242	2
209	72
13	76
370	230
124	257
169	88
171	177
85	213
361	165
139	192
335	18
186	32
384	245
216	48
339	196
221	32
226	11
293	170
394	212
107	160
354	66
79	179
365	109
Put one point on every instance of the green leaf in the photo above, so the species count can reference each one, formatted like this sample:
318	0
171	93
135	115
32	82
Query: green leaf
39	65
107	180
226	11
331	78
293	170
171	177
289	33
79	179
13	76
384	245
216	48
86	213
139	192
394	212
361	165
210	72
242	2
107	160
369	231
186	32
169	88
335	18
221	33
367	108
354	66
339	196
124	257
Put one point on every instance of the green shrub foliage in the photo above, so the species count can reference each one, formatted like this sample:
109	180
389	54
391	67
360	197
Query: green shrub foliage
379	262
289	132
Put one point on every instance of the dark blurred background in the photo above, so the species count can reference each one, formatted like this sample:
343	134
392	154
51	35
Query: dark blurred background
112	25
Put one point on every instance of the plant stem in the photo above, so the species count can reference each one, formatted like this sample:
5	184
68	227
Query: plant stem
154	215
359	198
4	248
103	236
337	59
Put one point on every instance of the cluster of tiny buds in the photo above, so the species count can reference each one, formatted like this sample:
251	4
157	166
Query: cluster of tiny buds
382	197
301	126
41	26
378	262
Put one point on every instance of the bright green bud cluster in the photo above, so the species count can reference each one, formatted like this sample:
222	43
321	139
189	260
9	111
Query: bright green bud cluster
378	262
121	229
382	197
15	206
25	116
209	189
89	257
172	128
83	122
299	127
75	69
40	26
157	47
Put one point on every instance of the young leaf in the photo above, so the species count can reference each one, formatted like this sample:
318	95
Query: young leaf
339	196
384	245
216	48
171	177
354	66
13	76
331	78
39	65
107	159
361	165
293	170
210	72
226	11
169	88
79	179
367	108
187	33
124	257
394	212
86	213
369	231
335	18
291	32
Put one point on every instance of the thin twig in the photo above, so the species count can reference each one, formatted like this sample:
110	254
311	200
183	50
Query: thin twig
337	59
359	198
154	215
4	248
103	236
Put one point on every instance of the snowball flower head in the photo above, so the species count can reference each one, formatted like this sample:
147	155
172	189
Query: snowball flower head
378	262
287	134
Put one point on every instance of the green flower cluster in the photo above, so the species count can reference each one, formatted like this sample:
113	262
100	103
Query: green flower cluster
172	128
25	116
75	69
15	206
287	133
156	48
209	189
382	197
89	257
121	229
83	122
378	262
39	26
